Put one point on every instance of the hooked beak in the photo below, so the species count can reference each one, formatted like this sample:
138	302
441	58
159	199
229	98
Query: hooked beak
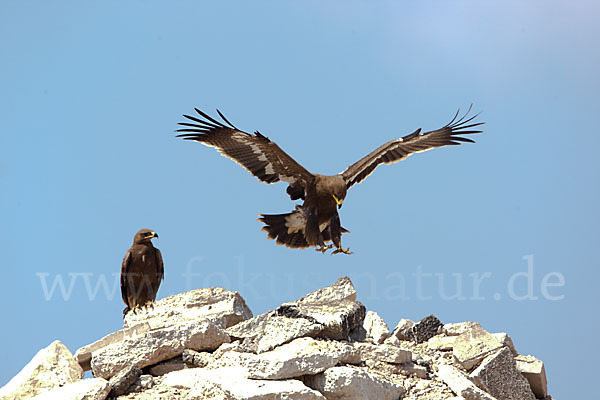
338	201
154	235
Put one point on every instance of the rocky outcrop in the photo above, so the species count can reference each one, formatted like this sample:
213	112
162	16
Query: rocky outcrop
51	367
205	344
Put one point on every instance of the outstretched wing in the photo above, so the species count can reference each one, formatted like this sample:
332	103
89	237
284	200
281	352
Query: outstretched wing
259	155
399	149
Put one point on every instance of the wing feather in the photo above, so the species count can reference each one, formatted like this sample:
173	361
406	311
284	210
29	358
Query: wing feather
124	271
256	153
416	142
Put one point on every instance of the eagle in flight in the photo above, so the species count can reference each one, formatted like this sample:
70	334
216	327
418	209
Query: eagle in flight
316	222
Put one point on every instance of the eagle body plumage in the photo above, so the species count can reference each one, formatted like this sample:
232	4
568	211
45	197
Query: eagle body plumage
142	271
316	221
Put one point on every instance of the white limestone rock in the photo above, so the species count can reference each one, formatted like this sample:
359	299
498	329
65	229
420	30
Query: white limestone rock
403	331
84	354
441	343
458	328
303	356
460	384
156	346
506	341
87	389
533	370
474	345
348	383
231	384
375	327
383	352
331	312
498	375
51	367
214	303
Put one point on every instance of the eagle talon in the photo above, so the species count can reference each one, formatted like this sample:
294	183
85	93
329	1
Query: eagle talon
342	250
323	248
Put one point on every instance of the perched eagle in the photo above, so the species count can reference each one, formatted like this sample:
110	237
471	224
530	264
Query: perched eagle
316	221
142	271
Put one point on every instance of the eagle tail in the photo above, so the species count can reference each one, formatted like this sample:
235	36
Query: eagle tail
286	229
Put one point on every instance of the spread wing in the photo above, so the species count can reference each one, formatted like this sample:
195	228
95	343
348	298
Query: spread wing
259	155
399	149
124	268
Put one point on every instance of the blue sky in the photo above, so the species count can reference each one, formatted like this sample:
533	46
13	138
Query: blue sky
91	95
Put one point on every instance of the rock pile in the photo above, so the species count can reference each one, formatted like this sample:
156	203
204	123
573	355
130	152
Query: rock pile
206	344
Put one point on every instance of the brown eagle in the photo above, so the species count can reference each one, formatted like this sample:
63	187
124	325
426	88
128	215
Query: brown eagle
142	271
316	221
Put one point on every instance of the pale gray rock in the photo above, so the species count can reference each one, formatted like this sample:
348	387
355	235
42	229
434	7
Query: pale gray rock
458	328
506	341
393	341
498	375
123	380
330	312
441	343
214	303
474	345
375	327
231	384
403	330
348	383
84	354
382	352
303	356
341	290
87	389
533	370
51	367
460	384
156	346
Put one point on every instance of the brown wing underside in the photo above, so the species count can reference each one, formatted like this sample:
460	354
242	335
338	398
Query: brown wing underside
256	153
399	149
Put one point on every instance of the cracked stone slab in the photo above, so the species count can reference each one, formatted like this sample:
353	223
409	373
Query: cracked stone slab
156	346
303	356
382	352
403	331
214	303
533	370
51	367
348	383
474	345
330	312
498	375
460	384
123	380
84	354
230	383
375	327
87	389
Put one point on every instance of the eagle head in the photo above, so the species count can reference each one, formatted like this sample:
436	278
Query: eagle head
334	186
144	236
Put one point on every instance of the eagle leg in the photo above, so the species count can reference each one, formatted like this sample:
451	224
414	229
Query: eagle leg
335	229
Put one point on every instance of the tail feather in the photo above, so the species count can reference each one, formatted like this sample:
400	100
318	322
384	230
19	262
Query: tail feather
288	229
285	229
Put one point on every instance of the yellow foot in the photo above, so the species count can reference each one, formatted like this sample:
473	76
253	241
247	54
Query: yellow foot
324	248
342	250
